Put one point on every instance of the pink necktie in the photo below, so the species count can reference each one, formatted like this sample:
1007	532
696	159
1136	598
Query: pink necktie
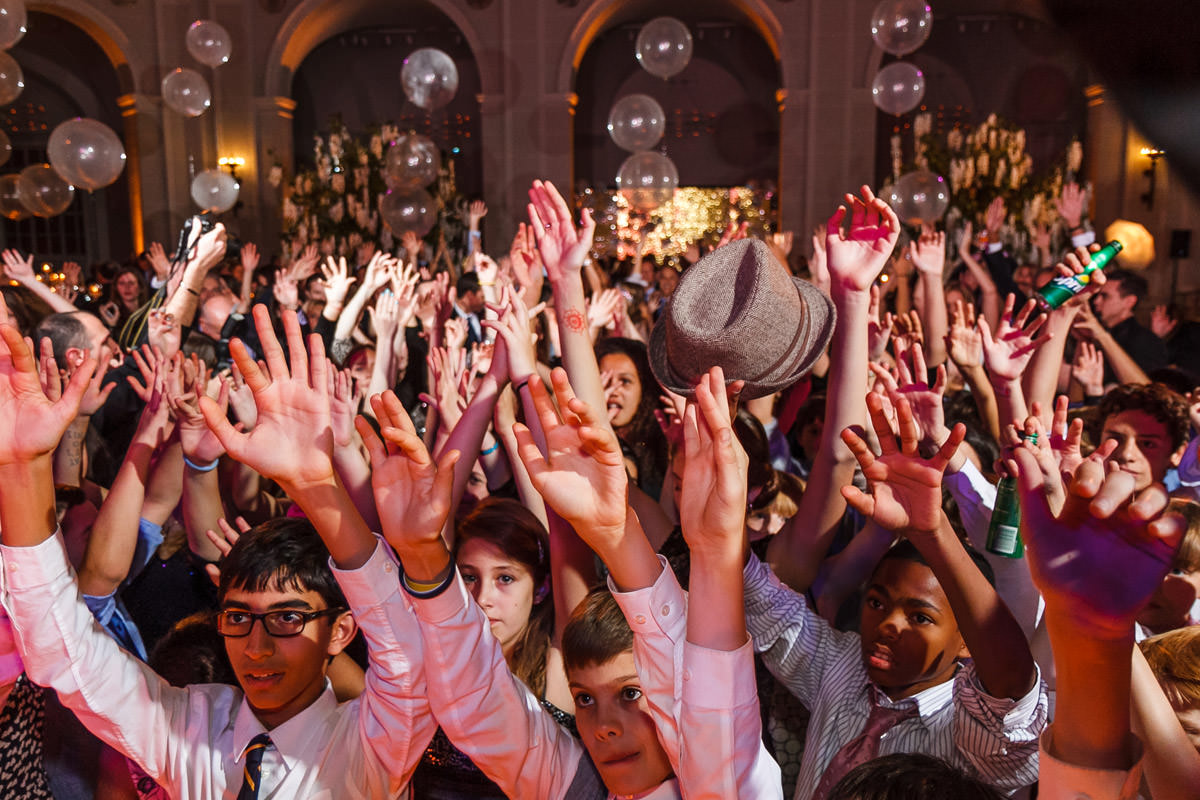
863	748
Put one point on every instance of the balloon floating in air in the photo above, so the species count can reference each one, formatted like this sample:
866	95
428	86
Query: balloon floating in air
636	122
215	190
186	91
647	180
209	42
86	153
429	78
664	47
898	88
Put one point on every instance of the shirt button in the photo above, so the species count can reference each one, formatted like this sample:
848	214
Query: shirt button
387	567
666	609
639	619
687	674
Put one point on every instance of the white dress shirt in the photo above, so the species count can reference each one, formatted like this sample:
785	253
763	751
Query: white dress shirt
191	740
994	738
492	717
704	702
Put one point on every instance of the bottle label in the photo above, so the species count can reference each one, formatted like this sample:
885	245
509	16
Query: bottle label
1005	541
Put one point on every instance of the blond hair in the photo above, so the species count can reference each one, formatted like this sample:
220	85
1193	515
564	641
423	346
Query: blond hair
1174	657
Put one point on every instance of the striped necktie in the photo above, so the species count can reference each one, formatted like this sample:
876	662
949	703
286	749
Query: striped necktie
254	756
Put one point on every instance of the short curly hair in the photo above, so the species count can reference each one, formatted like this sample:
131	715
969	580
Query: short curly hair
1155	399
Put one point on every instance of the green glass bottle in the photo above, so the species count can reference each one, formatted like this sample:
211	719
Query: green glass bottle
1063	288
1004	530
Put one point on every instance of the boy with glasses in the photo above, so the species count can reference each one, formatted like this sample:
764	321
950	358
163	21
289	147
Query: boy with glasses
282	733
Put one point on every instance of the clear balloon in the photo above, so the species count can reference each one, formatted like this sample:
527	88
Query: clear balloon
430	78
5	148
647	180
901	26
10	198
12	79
920	197
664	46
209	43
408	210
215	190
12	22
43	192
186	91
898	88
86	153
636	122
412	162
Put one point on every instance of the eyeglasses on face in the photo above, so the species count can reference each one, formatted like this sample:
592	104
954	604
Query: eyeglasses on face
234	623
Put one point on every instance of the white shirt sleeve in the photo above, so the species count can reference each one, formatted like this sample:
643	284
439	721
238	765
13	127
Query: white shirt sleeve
484	709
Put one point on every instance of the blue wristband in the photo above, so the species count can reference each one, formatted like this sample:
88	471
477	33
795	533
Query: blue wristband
201	468
495	446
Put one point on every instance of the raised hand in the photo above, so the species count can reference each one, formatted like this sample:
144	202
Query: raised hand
857	256
475	212
250	259
16	267
879	331
512	328
158	261
411	491
224	542
582	475
1070	205
712	509
304	266
287	293
486	268
993	219
906	490
337	280
928	253
964	342
818	265
30	424
292	440
1088	368
924	400
523	255
1008	352
562	245
97	392
385	316
163	333
344	402
200	444
1100	558
1161	322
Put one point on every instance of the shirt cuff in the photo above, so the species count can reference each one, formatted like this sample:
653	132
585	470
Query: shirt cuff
662	605
372	584
1058	780
1189	466
709	676
11	665
28	568
995	247
1083	239
442	608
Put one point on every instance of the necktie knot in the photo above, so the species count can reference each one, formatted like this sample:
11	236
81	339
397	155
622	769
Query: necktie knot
865	746
253	771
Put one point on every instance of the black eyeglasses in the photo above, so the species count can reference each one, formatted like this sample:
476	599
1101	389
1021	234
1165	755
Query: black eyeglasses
235	624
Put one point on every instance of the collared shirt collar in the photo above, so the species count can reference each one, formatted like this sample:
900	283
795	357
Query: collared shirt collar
289	738
930	702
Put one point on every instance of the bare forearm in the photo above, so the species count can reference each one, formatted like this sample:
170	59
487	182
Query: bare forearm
201	509
56	301
114	533
1002	658
1010	402
984	397
847	571
628	555
1092	716
330	510
1041	377
572	570
935	319
579	358
355	474
27	515
467	439
1124	368
165	485
717	577
1172	765
68	456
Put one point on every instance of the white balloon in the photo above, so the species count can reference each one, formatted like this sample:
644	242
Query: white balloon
636	122
12	22
412	162
43	192
10	198
898	88
664	46
215	190
209	42
901	26
12	79
647	180
408	210
186	91
429	78
86	153
919	197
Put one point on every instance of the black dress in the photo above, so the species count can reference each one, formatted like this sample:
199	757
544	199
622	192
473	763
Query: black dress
21	771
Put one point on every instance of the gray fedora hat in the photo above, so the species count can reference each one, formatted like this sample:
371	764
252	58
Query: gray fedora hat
740	309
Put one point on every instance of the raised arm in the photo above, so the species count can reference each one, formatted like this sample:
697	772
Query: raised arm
928	255
990	294
855	259
292	440
1006	355
1097	560
563	247
21	270
906	498
204	252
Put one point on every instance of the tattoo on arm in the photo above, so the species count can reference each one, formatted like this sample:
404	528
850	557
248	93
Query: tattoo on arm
575	320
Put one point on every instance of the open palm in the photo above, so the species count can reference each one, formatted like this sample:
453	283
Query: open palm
563	247
857	256
31	425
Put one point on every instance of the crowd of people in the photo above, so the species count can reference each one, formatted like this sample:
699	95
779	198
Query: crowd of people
539	525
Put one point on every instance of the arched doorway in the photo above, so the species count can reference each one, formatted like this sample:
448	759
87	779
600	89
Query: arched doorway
723	121
68	73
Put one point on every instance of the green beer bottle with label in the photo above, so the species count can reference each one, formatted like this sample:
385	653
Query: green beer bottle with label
1063	288
1004	530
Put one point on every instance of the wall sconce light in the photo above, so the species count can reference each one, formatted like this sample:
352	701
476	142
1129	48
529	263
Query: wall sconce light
232	163
1151	173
